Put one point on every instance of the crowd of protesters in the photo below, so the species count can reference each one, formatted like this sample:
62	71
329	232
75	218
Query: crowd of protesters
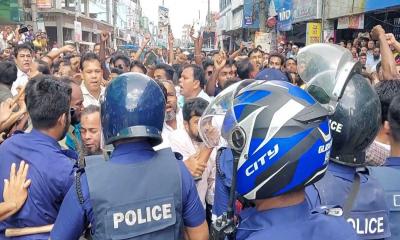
40	87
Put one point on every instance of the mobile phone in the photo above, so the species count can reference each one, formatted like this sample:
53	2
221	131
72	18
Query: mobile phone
23	30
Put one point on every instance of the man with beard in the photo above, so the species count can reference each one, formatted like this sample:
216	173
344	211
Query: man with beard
52	172
374	60
73	139
91	130
175	135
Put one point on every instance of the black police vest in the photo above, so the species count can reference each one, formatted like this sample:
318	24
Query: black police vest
369	215
136	201
389	178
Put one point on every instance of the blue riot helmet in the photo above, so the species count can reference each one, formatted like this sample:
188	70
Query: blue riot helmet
355	123
133	107
282	135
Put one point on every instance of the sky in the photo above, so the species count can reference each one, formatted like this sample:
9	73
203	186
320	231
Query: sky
181	12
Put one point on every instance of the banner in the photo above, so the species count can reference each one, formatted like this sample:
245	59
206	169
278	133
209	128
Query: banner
351	22
45	4
77	31
163	17
264	40
163	25
313	33
251	12
284	10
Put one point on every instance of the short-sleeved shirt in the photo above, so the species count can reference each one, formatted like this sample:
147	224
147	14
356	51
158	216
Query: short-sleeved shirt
75	217
51	170
89	99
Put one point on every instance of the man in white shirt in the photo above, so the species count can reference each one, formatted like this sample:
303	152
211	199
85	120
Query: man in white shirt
173	114
23	59
192	83
199	159
92	75
373	60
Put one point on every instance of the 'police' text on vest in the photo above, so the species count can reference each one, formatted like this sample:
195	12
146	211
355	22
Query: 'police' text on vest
141	216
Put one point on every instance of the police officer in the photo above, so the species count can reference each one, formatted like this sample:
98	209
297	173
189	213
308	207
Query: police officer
354	125
51	168
138	193
281	137
389	174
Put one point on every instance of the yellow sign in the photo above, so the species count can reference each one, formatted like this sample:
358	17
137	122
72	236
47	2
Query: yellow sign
313	33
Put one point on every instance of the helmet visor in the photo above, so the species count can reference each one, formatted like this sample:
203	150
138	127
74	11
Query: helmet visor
211	122
326	68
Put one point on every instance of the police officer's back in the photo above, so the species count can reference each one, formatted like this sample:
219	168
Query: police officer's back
348	183
281	138
138	193
389	174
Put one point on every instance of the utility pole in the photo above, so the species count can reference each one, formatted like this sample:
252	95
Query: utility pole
34	15
208	14
322	20
209	23
262	15
115	18
108	10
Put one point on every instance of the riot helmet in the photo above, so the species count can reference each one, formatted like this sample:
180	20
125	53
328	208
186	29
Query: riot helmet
355	123
333	78
282	135
133	107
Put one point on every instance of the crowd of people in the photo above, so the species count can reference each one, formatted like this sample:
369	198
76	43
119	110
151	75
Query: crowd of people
63	111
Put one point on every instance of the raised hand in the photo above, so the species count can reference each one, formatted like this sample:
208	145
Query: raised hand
68	48
104	36
390	38
220	60
377	31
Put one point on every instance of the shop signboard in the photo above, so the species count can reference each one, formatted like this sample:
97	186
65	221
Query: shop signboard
337	9
44	4
284	10
305	10
351	22
313	33
264	40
